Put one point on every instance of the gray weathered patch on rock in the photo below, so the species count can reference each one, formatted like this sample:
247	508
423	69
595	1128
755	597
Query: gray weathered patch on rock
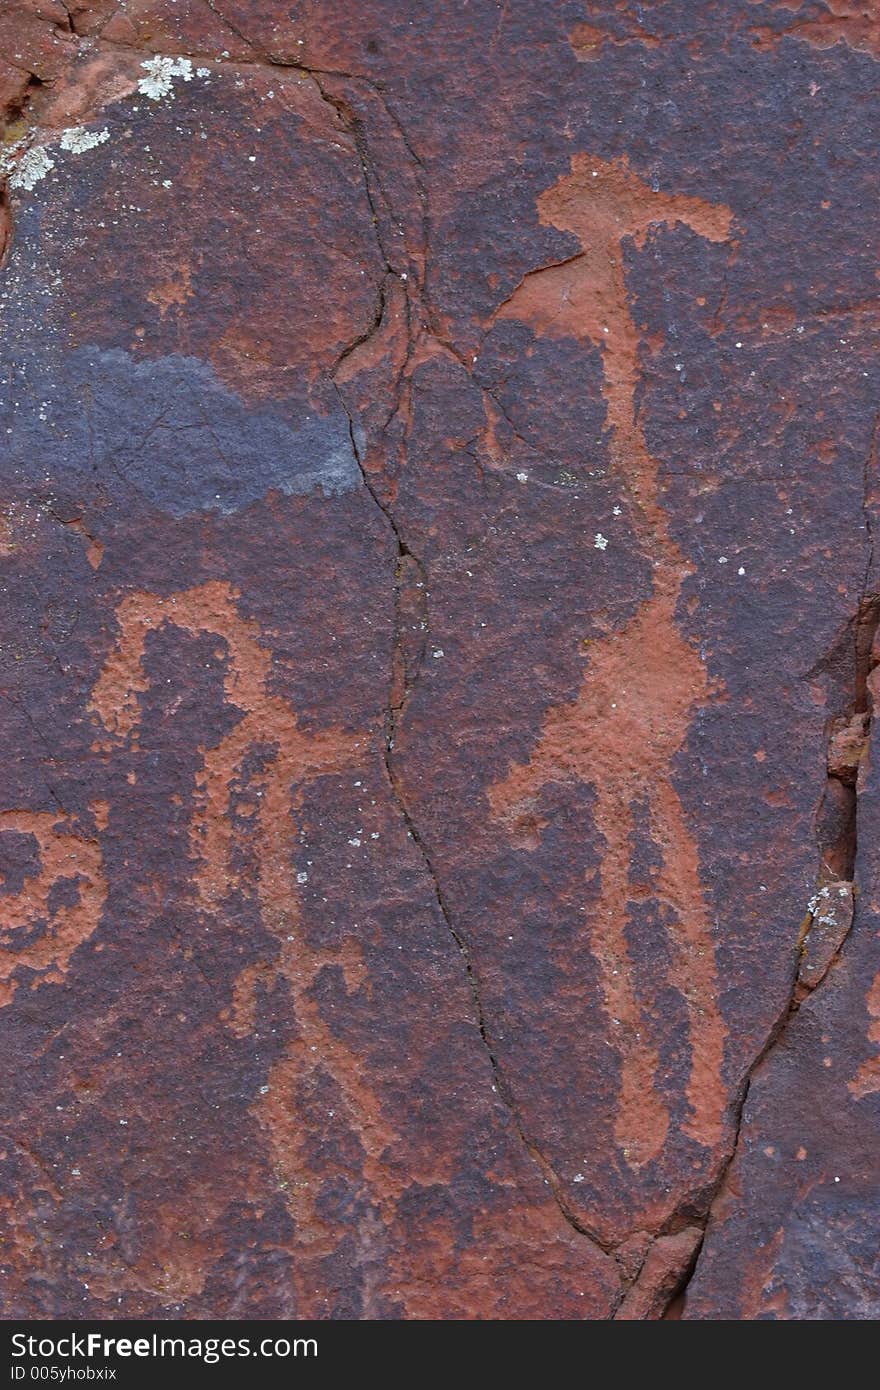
167	427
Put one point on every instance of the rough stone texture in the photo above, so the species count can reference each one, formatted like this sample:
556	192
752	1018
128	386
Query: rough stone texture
439	456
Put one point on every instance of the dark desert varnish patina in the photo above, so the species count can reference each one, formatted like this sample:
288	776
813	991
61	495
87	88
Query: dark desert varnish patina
437	659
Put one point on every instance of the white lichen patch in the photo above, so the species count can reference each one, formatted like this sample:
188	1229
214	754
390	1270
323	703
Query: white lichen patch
33	165
9	156
26	164
160	73
77	139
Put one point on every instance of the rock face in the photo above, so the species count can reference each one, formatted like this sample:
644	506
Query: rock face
437	660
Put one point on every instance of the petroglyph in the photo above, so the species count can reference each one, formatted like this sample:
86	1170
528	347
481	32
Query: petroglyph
642	684
866	1081
855	23
53	912
267	755
585	297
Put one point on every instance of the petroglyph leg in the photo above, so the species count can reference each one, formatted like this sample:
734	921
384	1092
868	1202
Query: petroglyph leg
693	971
642	1120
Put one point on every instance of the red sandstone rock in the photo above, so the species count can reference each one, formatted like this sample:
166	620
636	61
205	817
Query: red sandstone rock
435	666
847	747
660	1277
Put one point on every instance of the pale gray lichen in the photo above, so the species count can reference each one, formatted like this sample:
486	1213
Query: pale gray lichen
33	165
160	70
9	156
77	139
27	165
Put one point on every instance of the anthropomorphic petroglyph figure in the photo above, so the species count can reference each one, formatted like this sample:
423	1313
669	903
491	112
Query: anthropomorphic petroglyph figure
642	684
605	205
267	751
54	911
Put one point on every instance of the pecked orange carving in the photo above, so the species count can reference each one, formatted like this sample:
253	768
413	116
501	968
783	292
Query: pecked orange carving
35	931
642	684
866	1081
289	760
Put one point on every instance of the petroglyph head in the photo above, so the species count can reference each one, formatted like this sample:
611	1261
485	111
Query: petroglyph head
604	200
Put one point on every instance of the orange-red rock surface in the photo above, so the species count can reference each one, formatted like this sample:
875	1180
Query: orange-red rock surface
437	659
